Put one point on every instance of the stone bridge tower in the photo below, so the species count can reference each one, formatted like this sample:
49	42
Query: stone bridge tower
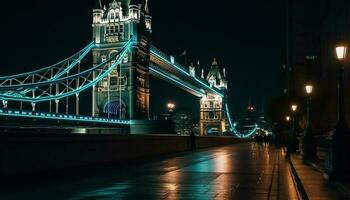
212	115
124	94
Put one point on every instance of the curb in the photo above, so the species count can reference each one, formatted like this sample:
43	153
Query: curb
300	187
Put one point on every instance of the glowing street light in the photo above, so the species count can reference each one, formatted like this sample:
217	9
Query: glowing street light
171	107
287	118
308	144
308	89
341	51
341	130
293	139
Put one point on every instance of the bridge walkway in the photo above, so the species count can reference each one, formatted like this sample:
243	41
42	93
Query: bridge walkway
240	171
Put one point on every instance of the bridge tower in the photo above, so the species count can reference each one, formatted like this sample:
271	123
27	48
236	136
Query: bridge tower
212	115
124	94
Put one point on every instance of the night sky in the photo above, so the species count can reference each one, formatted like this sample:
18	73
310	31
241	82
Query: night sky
247	37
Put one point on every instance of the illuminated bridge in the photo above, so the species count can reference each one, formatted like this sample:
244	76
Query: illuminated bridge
118	79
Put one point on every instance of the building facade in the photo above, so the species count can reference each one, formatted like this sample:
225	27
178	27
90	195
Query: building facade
314	27
124	94
212	114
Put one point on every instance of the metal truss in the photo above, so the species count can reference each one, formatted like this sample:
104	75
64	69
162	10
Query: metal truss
63	84
47	73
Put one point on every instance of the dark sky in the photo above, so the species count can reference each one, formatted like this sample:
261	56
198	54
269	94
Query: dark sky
247	37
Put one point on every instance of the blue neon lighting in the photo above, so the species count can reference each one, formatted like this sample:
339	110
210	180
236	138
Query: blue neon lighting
234	125
121	56
166	58
153	69
87	48
51	116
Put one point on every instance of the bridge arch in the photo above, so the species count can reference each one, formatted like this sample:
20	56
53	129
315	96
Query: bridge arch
116	109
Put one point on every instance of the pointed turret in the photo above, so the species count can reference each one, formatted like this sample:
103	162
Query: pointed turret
98	4
146	8
215	77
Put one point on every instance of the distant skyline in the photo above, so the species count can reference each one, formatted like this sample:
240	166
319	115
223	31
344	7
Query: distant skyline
247	38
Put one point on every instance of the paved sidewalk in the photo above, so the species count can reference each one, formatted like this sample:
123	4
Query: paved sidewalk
245	171
313	183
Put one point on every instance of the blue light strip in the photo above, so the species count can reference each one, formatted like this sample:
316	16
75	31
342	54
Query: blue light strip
229	117
169	63
52	116
157	53
90	84
208	87
87	48
155	70
233	125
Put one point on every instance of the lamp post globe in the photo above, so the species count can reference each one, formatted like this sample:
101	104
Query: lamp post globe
293	141
308	141
171	106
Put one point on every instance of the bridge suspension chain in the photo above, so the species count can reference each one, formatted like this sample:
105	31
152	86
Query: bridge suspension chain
65	85
234	125
47	73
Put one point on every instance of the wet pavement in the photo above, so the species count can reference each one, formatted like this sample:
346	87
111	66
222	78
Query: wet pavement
241	171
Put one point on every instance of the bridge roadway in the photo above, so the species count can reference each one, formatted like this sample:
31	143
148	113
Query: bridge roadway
242	171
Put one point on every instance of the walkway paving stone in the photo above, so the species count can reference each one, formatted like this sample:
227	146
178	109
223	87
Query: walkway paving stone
313	182
242	171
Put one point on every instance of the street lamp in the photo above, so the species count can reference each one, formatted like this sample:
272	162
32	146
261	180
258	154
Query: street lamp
341	51
308	90
293	139
287	118
337	163
171	107
308	142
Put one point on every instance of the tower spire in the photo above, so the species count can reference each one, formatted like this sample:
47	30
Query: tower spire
99	4
146	7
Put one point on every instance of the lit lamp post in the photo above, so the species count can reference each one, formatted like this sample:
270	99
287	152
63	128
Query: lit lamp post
309	146
337	163
171	107
287	118
293	138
